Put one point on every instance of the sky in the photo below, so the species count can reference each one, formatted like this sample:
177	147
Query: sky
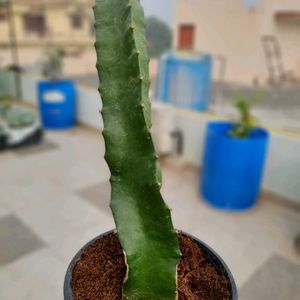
162	9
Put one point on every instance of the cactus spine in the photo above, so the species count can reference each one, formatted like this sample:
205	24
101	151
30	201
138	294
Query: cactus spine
142	218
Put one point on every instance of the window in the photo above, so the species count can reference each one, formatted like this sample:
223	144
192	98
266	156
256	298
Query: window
76	21
3	15
35	24
186	37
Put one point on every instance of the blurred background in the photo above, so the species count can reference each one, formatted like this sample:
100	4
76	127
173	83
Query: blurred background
225	98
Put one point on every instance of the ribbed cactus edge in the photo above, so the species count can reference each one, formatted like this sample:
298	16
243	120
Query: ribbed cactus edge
142	218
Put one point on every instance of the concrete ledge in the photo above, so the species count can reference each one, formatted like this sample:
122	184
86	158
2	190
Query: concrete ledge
88	101
282	174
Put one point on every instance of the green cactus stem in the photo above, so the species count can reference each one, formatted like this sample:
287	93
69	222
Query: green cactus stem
142	218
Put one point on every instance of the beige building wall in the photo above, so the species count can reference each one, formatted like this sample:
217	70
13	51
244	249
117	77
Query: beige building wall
3	32
229	28
288	33
59	30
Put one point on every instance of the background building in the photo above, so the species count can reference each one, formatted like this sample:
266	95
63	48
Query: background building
65	23
235	30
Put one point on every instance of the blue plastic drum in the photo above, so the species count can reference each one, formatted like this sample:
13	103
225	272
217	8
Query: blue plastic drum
57	102
185	80
232	167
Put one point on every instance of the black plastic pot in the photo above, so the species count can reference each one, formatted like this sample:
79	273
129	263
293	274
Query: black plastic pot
214	258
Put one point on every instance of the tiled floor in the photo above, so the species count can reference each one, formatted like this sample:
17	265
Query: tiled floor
43	147
98	194
24	241
282	276
52	202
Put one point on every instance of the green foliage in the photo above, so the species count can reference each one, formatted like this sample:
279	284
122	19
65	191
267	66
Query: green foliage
247	123
142	218
3	3
18	117
53	64
14	116
158	36
2	131
4	97
5	104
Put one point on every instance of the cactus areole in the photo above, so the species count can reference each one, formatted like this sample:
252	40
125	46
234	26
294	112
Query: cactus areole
142	218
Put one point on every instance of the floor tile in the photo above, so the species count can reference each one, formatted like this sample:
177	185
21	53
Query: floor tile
98	195
38	276
4	209
277	279
16	239
41	148
62	216
65	247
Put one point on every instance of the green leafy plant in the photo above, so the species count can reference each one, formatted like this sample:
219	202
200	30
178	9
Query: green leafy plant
53	64
5	104
17	117
143	220
4	97
246	124
158	35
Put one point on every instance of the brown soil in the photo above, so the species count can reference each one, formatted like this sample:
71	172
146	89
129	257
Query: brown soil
100	272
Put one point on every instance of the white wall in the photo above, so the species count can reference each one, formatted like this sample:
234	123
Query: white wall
89	107
282	174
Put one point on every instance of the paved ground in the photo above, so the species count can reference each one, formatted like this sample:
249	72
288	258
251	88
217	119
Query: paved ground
54	198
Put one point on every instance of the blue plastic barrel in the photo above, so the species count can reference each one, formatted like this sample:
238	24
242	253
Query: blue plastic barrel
57	102
184	80
232	167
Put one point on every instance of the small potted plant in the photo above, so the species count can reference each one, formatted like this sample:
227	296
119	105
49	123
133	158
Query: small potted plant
23	128
18	118
145	258
5	104
234	159
20	127
52	66
57	96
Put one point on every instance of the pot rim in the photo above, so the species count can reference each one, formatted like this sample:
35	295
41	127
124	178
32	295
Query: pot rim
68	295
221	128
